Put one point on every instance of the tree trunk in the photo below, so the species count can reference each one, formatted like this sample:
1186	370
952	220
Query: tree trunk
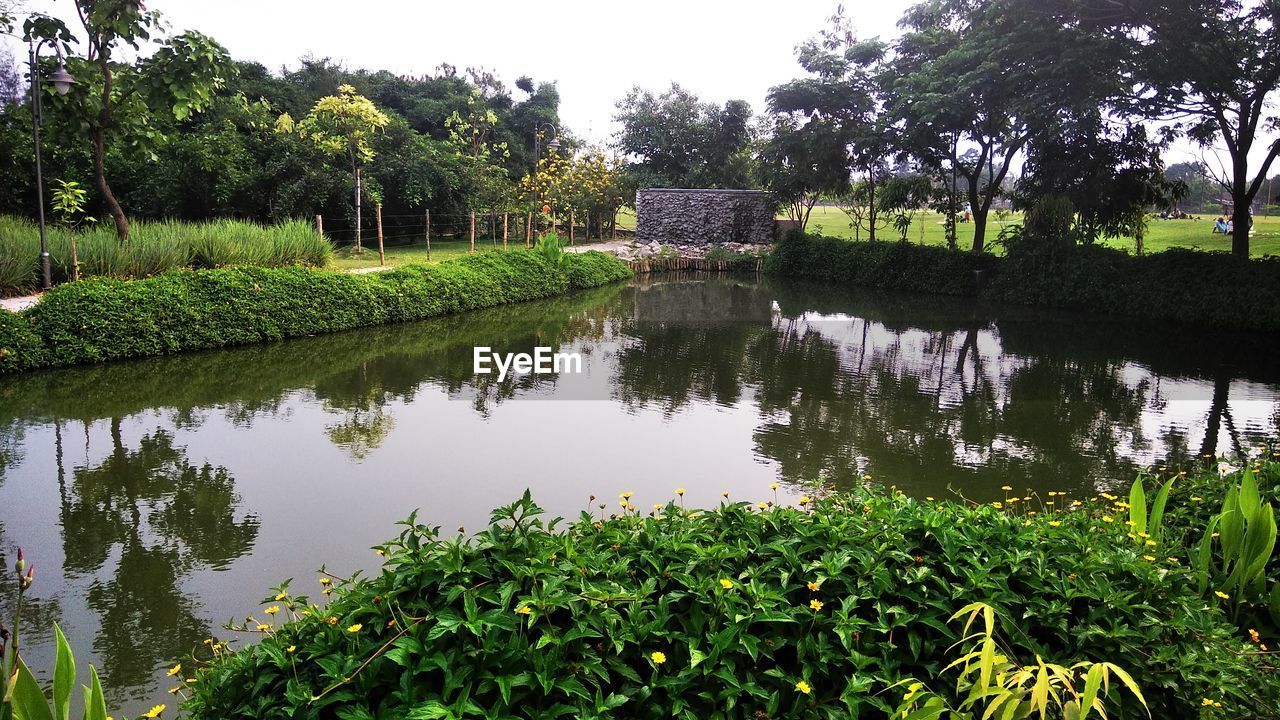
100	182
979	229
871	206
1240	223
357	172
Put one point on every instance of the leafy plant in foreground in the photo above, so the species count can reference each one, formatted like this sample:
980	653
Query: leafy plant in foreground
992	683
21	697
1244	537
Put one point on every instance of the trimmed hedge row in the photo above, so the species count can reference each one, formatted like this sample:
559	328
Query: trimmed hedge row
104	319
1183	285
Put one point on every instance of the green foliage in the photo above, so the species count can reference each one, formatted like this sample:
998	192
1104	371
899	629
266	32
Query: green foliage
106	319
21	697
885	265
682	141
20	344
155	247
1142	520
551	248
730	612
1237	548
1181	285
991	682
341	125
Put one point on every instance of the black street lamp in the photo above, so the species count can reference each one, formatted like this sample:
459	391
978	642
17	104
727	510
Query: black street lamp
62	82
553	146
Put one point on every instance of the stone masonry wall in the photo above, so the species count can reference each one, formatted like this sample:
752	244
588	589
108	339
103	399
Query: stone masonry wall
700	217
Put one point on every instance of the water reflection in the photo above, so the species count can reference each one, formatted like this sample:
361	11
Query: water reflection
137	523
207	478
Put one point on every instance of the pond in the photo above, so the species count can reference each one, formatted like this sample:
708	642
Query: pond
162	498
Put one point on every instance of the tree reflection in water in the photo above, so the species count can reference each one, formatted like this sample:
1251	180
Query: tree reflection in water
138	523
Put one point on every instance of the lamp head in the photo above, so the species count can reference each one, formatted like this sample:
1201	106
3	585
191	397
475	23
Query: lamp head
62	80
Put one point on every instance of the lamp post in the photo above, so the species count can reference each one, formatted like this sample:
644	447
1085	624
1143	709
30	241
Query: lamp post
62	82
554	145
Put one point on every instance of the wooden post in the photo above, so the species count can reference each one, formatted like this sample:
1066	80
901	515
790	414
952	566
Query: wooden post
428	233
528	230
504	230
613	226
320	225
570	227
473	231
382	255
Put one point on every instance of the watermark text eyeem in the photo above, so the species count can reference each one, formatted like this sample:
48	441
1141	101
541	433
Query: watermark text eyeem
543	361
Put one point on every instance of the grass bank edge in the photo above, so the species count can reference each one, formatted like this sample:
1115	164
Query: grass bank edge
104	319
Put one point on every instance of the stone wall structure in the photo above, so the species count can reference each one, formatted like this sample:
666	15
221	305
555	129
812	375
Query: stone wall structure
702	217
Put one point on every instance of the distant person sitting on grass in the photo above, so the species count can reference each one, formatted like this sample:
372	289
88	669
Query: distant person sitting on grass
1222	225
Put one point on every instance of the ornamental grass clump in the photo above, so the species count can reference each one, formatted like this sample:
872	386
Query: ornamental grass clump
734	612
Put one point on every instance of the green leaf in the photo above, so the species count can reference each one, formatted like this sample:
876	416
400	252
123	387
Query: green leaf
64	676
1092	682
1155	522
1138	506
28	699
95	706
696	656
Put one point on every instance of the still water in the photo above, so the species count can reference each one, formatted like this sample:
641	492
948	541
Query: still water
161	498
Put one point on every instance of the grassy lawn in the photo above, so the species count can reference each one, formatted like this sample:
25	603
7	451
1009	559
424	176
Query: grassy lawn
1161	235
345	258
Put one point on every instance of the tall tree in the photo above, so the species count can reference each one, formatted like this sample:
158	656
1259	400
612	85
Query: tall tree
836	110
1211	67
681	141
975	80
343	125
120	101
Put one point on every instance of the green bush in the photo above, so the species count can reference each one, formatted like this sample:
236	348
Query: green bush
20	345
1177	284
735	612
893	265
105	319
592	269
154	247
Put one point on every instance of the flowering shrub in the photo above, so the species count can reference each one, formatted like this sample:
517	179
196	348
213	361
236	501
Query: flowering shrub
740	611
102	319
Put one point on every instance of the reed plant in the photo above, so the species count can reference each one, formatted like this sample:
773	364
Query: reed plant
154	247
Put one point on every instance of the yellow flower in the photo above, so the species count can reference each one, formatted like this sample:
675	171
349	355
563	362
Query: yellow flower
724	494
805	500
680	491
1054	523
813	587
1222	595
272	610
803	687
1006	488
325	581
866	477
1253	635
626	495
1196	498
281	596
762	505
154	712
355	628
174	670
726	584
174	690
1108	519
331	620
1149	558
774	486
658	657
1151	543
816	605
656	506
997	505
263	628
291	648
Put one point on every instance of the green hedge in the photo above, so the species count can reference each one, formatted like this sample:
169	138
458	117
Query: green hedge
1177	284
102	319
526	620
